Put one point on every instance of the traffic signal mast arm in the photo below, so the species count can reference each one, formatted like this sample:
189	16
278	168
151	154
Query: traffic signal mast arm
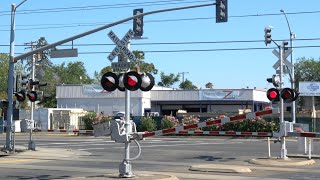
212	122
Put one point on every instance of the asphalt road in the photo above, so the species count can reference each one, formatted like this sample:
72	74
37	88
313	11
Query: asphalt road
163	154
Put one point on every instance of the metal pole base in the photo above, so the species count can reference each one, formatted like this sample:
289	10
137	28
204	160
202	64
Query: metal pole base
283	154
32	145
125	169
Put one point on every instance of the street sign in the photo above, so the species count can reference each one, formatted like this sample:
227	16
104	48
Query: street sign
118	66
60	53
285	61
121	45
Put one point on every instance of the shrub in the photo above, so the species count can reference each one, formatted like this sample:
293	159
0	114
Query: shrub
255	125
169	122
88	120
188	120
147	124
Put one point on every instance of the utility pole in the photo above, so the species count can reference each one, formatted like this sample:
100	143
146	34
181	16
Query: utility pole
9	142
183	75
292	36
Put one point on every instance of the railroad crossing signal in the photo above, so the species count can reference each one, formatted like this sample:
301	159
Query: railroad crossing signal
147	82
109	81
275	80
221	11
20	96
287	94
138	23
121	45
285	61
131	80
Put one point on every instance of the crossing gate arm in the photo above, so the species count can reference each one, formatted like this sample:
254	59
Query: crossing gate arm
212	122
67	131
227	133
304	134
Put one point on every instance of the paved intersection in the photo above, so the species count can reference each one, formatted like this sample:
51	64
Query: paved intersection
166	154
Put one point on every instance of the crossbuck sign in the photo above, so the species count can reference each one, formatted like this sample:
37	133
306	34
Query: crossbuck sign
121	45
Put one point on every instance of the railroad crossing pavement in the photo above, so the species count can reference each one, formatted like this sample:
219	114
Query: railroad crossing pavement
24	157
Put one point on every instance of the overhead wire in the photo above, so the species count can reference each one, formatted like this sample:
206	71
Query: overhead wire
178	43
101	7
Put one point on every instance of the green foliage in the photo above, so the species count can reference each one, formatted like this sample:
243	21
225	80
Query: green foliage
187	85
169	122
209	85
255	125
168	80
147	124
89	119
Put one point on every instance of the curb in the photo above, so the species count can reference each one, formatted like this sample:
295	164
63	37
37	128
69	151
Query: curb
220	168
137	176
281	162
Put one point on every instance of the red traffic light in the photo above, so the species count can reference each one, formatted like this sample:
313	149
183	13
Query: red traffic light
273	95
109	81
132	80
32	96
20	96
147	82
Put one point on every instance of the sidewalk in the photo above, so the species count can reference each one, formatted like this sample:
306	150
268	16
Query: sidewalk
22	153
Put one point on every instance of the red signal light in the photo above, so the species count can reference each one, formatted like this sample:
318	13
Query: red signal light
32	96
147	82
132	80
273	95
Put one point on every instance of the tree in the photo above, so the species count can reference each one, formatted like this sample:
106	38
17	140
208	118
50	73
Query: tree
4	59
306	70
187	85
71	73
168	80
209	85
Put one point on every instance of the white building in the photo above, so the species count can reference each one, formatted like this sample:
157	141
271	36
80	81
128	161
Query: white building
159	99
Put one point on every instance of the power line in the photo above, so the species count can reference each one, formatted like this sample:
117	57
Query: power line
178	43
58	26
202	50
101	7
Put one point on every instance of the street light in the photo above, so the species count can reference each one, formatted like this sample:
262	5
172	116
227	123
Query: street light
9	142
292	80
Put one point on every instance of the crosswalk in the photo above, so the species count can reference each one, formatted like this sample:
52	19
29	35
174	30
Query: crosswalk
102	143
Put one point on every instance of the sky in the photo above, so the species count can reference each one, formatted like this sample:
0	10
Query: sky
230	65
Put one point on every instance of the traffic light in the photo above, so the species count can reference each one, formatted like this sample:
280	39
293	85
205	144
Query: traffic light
23	81
20	96
285	45
275	80
267	35
273	95
109	81
138	23
147	82
289	95
221	11
132	80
